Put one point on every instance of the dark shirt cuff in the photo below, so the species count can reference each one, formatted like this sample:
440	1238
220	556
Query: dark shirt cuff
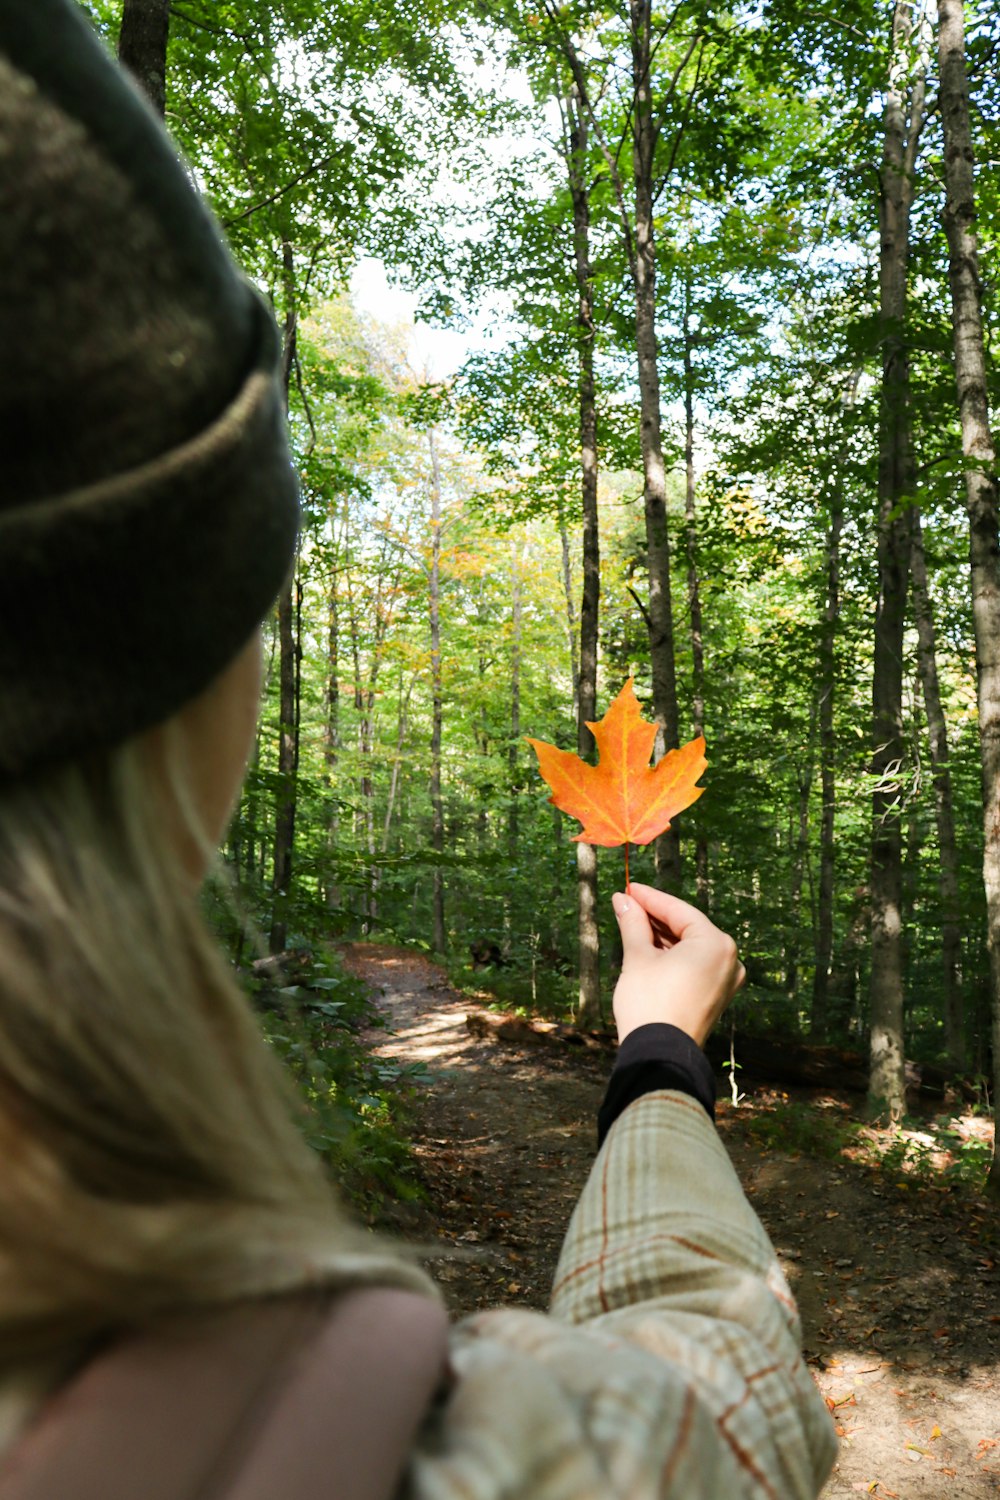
657	1056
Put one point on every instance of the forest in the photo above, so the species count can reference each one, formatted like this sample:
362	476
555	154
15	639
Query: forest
720	275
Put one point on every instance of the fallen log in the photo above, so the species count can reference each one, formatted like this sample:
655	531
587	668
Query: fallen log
524	1031
783	1060
761	1058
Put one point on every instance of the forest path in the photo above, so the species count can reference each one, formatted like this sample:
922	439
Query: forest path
899	1297
503	1137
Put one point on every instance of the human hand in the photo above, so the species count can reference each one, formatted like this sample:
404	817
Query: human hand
678	966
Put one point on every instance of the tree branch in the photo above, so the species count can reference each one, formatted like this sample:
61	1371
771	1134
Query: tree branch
642	608
685	117
278	192
579	78
300	387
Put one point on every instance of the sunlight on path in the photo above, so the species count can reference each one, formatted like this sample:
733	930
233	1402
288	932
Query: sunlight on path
898	1310
503	1137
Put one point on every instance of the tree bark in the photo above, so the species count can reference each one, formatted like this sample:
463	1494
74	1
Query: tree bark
896	484
142	47
799	841
944	810
823	966
640	250
588	1009
571	628
693	583
364	699
659	610
402	729
516	602
437	700
980	477
288	676
331	733
288	760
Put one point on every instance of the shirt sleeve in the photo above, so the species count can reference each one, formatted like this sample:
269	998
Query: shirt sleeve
656	1056
669	1366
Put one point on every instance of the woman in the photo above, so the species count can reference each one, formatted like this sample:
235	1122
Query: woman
184	1311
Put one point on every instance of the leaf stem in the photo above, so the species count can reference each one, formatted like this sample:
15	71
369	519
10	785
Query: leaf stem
626	868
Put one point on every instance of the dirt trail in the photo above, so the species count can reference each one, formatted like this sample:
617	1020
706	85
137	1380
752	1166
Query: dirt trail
900	1302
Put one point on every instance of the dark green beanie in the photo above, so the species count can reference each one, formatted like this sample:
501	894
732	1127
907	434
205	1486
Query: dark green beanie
148	507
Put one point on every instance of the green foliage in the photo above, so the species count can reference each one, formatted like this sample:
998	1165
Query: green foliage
354	1103
797	1128
324	131
949	1151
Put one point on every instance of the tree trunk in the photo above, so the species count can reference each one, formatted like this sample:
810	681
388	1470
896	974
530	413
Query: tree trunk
331	735
980	476
142	47
799	843
588	1010
437	700
896	484
693	583
481	725
639	242
402	729
288	755
516	601
823	967
288	676
660	613
951	935
363	701
571	635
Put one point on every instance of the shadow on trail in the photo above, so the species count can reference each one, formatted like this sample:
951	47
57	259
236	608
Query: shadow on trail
503	1138
898	1287
898	1291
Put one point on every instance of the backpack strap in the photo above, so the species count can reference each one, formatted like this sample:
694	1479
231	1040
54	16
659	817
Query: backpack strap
301	1397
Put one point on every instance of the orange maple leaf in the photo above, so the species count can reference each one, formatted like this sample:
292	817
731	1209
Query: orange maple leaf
623	799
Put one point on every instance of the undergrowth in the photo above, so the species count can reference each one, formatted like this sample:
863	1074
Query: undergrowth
355	1111
543	993
949	1150
355	1107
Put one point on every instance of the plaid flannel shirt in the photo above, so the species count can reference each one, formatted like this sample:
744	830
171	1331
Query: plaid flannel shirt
669	1364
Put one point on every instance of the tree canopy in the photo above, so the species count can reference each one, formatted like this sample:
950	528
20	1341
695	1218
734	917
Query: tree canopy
732	216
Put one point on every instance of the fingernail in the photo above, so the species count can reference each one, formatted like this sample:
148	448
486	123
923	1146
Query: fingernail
621	904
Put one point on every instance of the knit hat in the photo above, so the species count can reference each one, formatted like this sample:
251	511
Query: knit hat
148	507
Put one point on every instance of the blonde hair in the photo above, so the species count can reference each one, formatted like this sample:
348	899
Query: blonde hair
149	1156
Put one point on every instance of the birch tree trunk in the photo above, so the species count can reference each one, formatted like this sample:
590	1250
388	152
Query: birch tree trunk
402	729
142	47
516	602
361	710
481	727
800	842
288	675
896	485
640	250
571	626
693	584
660	612
437	701
944	811
331	732
588	1010
823	966
980	476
